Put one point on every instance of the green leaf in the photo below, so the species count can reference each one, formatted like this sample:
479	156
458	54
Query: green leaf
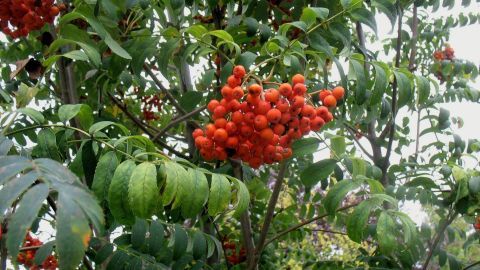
118	193
196	195
14	188
286	26
89	161
11	166
139	232
317	171
359	167
351	4
47	144
32	113
43	252
246	59
386	229
83	111
387	7
143	191
381	83
5	145
404	89
366	17
473	185
199	246
357	221
423	87
305	146
116	48
180	242
103	175
156	237
220	194
103	124
190	100
309	17
175	174
26	212
73	232
167	50
25	94
242	198
337	193
338	145
423	181
221	34
408	226
76	55
361	81
103	253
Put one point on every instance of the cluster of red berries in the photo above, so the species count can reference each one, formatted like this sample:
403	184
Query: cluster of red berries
233	257
27	257
19	17
447	54
477	224
259	127
148	103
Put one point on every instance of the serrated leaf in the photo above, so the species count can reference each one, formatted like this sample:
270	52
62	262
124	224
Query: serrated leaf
23	217
386	232
143	191
175	173
381	83
423	87
366	17
14	188
220	194
357	221
305	146
73	232
180	242
118	193
337	193
404	89
242	198
196	193
103	175
317	171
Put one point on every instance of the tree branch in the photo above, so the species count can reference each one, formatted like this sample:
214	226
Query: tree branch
413	52
246	225
140	124
359	144
306	222
269	214
439	235
164	90
398	50
178	120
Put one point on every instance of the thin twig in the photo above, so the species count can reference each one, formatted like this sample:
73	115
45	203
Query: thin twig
270	211
471	265
164	90
370	156
306	222
178	120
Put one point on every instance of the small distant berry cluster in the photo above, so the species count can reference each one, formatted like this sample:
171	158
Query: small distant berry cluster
447	54
259	127
232	256
27	257
477	224
148	103
19	17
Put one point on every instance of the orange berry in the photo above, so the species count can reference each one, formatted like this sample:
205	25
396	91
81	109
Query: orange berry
249	118
220	122
255	163
286	117
299	89
197	132
253	100
266	134
237	92
210	130
233	81
262	107
285	89
272	95
212	105
227	92
219	111
233	105
298	102
279	129
304	123
260	122
220	135
317	123
298	78
328	117
324	93
255	89
239	71
338	92
231	128
199	141
232	142
287	152
237	117
54	11
330	101
282	105
274	116
246	131
322	111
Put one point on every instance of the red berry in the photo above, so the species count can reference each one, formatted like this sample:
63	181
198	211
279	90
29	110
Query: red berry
298	78
239	72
